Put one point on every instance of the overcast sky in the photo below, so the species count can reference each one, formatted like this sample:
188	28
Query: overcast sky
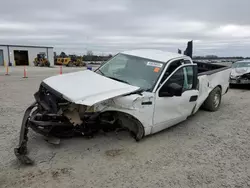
220	27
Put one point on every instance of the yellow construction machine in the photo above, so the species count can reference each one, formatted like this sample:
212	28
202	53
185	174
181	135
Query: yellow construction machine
78	61
41	60
70	61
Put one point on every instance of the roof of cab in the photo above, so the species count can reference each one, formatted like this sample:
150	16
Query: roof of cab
156	55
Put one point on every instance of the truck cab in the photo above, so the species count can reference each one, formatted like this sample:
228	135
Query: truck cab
170	84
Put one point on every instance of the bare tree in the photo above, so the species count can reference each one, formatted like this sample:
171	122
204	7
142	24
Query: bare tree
63	54
89	53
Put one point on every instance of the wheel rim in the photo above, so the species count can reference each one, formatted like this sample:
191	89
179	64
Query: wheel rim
216	100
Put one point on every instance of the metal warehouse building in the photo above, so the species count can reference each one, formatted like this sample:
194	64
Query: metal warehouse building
17	55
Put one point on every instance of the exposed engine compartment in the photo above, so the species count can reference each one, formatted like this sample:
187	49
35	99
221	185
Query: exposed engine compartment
53	116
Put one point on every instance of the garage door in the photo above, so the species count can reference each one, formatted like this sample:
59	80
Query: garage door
1	58
21	57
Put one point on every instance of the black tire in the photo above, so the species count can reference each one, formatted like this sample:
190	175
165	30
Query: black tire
213	101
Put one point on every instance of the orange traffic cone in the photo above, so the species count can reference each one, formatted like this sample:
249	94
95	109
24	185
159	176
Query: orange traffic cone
7	70
24	72
60	70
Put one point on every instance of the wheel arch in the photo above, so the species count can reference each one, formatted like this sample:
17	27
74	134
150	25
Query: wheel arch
129	121
219	86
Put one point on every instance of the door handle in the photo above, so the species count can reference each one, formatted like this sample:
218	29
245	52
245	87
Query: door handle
193	98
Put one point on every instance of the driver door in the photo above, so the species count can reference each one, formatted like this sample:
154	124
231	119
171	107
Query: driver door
170	110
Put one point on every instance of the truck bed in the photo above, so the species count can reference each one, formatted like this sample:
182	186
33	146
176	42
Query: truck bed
209	68
210	76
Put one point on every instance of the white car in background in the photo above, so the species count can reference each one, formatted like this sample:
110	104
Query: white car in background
240	73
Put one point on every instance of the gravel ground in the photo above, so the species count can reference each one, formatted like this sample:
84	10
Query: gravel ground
207	150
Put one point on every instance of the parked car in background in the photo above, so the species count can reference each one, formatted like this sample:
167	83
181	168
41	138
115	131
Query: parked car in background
240	73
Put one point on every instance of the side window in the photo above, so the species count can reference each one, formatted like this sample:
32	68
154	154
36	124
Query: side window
171	68
188	77
177	77
183	77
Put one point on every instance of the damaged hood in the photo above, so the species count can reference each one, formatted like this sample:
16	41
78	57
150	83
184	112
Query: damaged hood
238	71
87	87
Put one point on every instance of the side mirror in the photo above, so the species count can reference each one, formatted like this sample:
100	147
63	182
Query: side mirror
171	90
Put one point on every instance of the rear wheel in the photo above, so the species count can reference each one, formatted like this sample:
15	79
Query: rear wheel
213	101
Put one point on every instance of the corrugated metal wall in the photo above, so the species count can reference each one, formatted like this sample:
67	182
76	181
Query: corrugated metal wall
32	53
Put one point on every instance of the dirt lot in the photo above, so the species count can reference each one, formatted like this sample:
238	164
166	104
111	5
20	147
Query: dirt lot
208	150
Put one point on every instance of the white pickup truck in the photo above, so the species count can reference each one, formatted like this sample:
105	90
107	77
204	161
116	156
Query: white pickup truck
142	91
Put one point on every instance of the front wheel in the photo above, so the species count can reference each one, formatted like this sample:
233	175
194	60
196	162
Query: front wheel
213	101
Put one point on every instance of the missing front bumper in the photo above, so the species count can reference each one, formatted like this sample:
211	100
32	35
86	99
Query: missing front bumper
50	117
50	126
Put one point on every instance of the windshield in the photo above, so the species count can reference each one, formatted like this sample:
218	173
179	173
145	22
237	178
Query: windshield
133	70
241	64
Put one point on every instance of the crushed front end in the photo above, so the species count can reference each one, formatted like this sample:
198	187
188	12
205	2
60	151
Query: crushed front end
240	79
54	117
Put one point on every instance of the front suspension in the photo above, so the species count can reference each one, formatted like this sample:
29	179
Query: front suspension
21	150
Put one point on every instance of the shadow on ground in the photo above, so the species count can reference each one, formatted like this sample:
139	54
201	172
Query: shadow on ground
243	87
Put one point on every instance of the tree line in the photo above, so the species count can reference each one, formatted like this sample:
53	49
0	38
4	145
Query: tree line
86	57
214	57
89	56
